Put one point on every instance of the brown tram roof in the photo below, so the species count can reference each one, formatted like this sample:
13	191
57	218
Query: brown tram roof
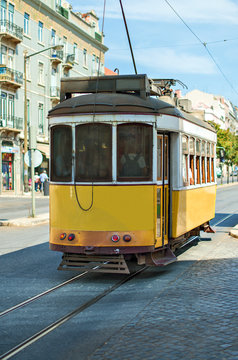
121	103
117	94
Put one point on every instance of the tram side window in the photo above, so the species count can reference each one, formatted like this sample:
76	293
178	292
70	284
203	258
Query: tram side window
94	152
191	160
61	153
185	160
134	152
203	163
159	157
208	162
212	162
198	152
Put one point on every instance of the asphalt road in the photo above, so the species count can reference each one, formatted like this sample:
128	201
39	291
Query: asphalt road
187	310
12	207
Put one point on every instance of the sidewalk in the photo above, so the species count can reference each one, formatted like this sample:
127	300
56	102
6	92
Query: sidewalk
27	221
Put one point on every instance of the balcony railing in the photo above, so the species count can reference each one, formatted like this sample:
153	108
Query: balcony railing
10	30
70	58
12	122
98	37
54	91
57	55
69	61
10	77
62	11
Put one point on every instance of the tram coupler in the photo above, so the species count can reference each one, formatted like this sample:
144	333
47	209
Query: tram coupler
157	258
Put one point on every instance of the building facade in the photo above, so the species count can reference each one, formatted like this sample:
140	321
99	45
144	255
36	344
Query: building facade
29	27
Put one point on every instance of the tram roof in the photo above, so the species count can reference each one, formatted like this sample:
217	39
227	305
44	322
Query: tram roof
118	94
121	103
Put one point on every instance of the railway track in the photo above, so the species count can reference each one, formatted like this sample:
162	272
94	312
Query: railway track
61	320
77	310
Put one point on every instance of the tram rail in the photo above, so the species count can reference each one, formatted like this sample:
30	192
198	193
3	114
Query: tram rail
60	321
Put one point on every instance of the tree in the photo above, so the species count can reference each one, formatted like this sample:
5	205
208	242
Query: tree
228	141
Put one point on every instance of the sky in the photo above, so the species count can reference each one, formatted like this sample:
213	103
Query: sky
194	41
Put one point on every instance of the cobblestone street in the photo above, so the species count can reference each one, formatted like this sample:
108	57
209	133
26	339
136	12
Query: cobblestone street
194	317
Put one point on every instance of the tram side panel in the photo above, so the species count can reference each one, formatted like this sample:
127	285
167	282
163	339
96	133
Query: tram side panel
192	208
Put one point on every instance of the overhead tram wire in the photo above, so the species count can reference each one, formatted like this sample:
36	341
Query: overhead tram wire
94	113
128	36
205	46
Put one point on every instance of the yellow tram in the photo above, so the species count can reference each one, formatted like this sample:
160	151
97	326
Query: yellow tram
130	174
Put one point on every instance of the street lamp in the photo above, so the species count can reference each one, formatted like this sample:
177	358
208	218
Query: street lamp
26	57
33	135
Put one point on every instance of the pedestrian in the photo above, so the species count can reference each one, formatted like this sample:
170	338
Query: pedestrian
37	181
43	178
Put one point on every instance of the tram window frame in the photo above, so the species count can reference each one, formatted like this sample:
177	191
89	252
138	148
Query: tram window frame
191	160
208	148
97	163
185	152
61	157
166	157
212	163
203	162
198	155
159	157
144	157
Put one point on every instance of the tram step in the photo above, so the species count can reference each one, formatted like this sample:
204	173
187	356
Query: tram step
103	264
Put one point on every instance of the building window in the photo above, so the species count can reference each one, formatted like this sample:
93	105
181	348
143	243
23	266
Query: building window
26	23
85	58
41	73
94	152
134	152
10	13
3	109
40	31
3	11
75	52
3	55
65	45
53	37
41	118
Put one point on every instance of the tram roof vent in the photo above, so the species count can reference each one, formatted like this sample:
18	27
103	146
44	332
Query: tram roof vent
128	84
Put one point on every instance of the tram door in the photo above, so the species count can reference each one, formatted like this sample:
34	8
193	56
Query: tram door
162	189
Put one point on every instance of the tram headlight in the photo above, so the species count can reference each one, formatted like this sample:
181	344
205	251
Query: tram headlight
115	238
62	236
71	237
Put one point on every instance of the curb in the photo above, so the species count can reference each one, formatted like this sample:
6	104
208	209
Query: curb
24	222
234	232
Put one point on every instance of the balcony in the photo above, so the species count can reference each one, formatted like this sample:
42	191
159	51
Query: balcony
11	32
57	56
69	61
55	94
62	11
10	79
11	122
98	37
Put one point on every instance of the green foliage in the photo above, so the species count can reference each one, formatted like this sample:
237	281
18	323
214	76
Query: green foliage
229	142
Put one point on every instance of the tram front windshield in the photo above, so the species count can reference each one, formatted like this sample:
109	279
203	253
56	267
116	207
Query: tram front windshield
93	153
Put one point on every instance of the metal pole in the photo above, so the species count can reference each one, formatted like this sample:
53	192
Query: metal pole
128	37
33	184
26	187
